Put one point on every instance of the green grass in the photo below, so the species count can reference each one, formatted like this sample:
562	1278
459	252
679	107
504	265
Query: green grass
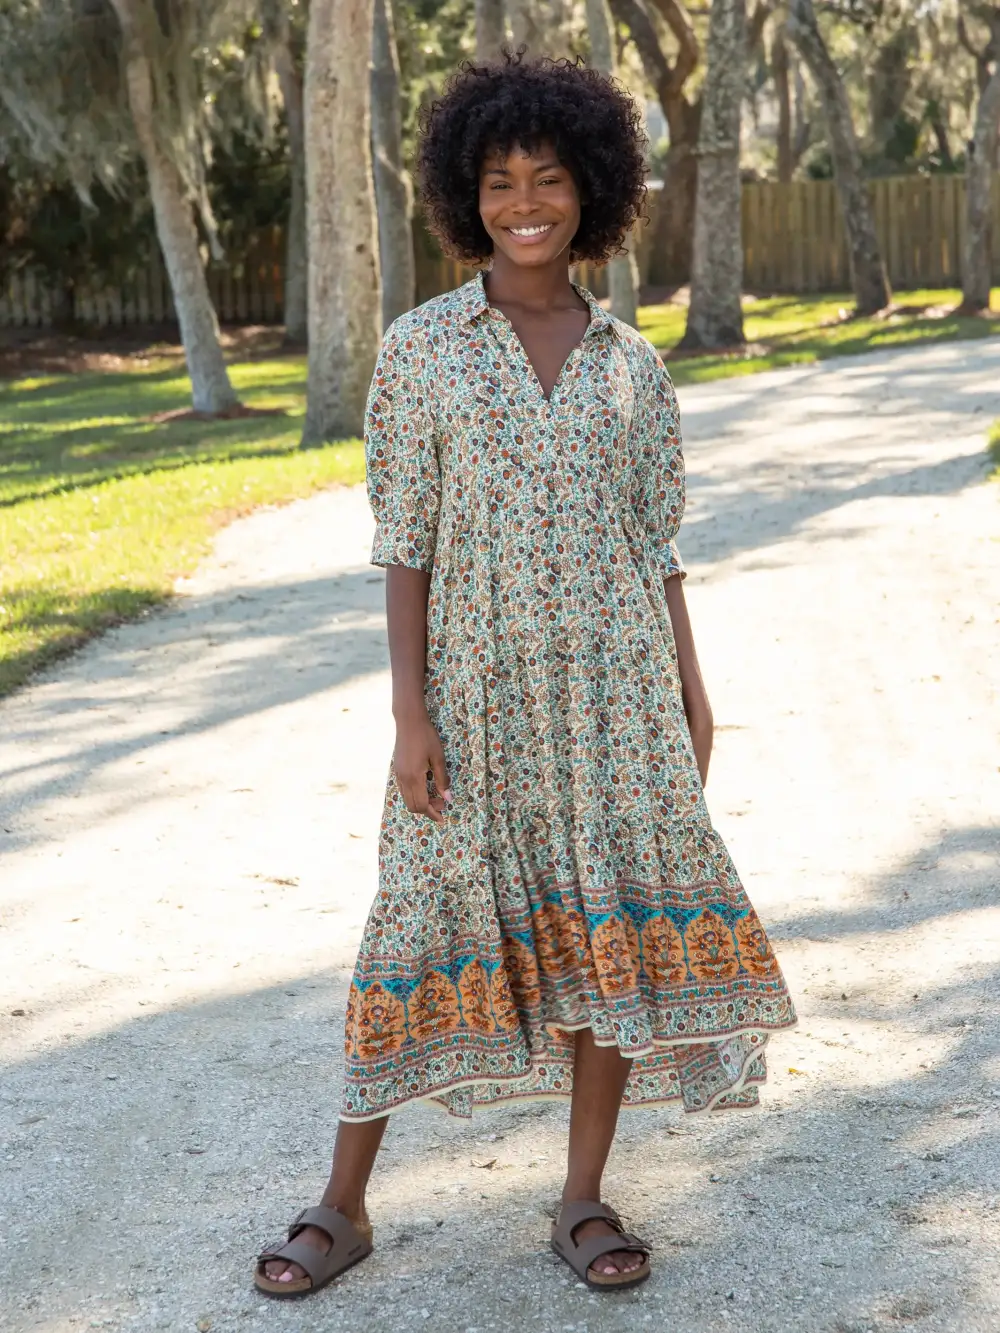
993	444
101	508
791	330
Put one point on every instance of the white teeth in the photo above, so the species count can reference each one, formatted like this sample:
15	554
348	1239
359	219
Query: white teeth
531	231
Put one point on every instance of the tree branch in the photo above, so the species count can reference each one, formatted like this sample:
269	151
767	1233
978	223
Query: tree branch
755	25
678	20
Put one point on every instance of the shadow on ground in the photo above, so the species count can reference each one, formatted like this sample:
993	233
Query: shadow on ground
736	507
145	1165
273	644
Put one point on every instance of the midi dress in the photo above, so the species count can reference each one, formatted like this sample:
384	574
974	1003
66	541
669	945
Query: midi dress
577	880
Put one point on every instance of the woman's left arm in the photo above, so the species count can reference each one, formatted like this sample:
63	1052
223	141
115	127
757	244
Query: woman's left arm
693	692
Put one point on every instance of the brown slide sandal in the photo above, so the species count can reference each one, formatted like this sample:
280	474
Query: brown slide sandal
349	1245
581	1256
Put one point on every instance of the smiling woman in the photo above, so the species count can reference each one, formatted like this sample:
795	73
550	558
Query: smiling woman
556	915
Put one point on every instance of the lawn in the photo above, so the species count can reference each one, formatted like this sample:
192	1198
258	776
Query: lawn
793	330
994	447
102	506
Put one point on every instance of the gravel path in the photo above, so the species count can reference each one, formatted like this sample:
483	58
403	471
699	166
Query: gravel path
189	818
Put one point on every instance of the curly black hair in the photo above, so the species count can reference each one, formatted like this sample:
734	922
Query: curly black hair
590	120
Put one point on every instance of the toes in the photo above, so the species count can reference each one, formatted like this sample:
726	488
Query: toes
282	1272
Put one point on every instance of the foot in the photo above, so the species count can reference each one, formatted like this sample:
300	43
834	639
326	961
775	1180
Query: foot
279	1270
617	1261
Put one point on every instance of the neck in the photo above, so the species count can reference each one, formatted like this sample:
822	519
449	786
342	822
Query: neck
543	288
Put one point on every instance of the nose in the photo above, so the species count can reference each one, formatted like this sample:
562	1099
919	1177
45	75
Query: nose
524	201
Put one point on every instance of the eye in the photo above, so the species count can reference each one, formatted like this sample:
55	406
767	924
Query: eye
549	180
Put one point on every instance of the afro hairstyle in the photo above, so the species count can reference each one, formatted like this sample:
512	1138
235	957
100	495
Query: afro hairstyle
590	120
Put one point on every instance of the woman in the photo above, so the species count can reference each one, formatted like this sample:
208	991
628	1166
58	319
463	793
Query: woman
556	916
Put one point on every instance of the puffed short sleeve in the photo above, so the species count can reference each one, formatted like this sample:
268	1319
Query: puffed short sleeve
658	492
404	481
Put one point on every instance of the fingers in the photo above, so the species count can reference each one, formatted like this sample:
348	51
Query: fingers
415	791
440	771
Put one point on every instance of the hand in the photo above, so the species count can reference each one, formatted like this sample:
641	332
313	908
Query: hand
418	751
701	726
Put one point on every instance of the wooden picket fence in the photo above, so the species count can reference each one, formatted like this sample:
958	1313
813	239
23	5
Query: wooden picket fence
793	236
793	241
248	290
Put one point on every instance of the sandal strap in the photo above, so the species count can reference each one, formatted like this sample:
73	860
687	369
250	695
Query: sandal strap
313	1261
573	1215
595	1246
339	1228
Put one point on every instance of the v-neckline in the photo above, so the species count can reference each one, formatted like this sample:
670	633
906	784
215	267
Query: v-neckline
546	397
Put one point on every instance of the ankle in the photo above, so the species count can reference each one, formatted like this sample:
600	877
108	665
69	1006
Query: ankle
350	1205
576	1191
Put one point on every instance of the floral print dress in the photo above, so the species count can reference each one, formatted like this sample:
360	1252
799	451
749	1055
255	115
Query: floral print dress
577	880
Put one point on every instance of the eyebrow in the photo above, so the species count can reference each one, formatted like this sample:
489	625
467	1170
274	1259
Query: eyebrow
502	171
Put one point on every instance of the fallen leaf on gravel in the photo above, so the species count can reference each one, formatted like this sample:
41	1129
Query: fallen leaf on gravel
17	1013
355	835
486	1166
793	1070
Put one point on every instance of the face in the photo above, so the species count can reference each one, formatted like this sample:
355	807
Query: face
529	204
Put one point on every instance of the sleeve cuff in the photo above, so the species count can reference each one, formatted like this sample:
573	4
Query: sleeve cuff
671	562
397	547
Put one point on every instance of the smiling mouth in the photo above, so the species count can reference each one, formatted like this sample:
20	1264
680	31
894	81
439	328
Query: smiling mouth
530	235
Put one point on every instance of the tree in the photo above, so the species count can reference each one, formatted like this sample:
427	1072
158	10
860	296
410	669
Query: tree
526	25
393	190
868	275
144	63
344	299
491	33
62	83
669	81
715	314
982	161
286	40
623	273
793	126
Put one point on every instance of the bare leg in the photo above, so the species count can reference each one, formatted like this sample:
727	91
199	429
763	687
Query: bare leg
354	1156
599	1077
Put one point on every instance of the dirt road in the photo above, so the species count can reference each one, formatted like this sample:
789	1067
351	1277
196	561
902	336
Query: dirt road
189	812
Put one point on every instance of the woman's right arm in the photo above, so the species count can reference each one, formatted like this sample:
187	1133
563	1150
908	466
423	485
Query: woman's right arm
418	747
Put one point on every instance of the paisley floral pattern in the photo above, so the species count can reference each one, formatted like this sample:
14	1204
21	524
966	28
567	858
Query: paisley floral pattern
577	881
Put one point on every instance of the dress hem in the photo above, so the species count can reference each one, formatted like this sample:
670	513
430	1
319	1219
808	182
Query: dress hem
435	1096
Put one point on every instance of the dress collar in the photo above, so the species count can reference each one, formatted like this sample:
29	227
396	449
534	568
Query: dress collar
472	302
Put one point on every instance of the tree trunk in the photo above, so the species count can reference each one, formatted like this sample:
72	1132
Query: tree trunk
977	275
393	191
344	299
671	243
526	27
802	132
675	218
715	315
296	249
939	129
491	32
211	390
623	272
868	275
782	87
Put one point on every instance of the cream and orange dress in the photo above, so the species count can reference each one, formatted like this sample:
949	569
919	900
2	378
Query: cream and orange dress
577	880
